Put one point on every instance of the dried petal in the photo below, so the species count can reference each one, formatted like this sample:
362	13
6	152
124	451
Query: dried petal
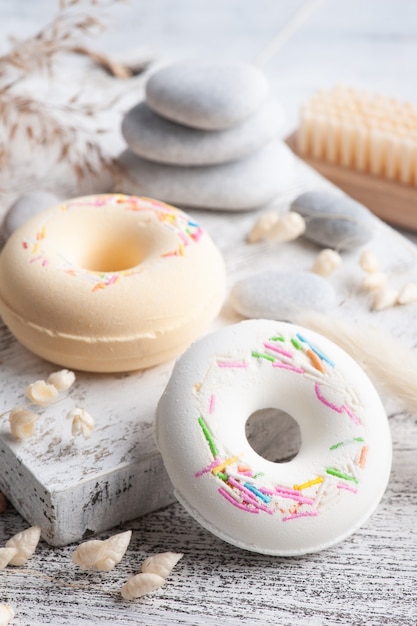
6	555
369	262
6	614
161	564
289	227
140	585
408	294
82	422
41	393
262	226
22	422
25	543
61	380
326	262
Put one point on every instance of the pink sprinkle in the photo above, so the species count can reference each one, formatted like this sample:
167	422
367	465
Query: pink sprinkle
249	496
287	366
212	403
197	235
347	487
293	495
297	515
36	258
239	505
270	346
208	468
45	263
231	364
339	409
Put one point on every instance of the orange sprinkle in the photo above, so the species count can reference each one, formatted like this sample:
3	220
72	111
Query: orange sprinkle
220	468
98	286
243	468
310	483
315	361
362	458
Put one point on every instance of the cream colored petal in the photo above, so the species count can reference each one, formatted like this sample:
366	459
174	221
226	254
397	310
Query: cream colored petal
6	614
41	393
22	422
326	262
369	262
289	227
61	380
88	553
262	226
6	555
113	551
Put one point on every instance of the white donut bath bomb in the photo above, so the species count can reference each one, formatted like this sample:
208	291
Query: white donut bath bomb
291	508
110	283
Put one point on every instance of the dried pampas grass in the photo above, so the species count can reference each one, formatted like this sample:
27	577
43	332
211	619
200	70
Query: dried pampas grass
32	126
391	366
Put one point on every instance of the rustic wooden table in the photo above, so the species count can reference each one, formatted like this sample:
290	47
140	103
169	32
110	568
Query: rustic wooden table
369	579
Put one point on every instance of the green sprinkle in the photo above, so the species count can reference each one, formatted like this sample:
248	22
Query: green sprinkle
297	345
278	338
259	474
259	355
208	436
222	475
345	443
339	474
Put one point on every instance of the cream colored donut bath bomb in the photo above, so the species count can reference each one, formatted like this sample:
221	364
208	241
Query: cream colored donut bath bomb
110	283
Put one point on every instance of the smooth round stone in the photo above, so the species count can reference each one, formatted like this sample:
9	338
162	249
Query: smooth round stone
23	208
334	220
153	137
282	295
245	184
207	96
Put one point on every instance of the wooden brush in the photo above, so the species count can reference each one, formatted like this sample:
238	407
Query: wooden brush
365	144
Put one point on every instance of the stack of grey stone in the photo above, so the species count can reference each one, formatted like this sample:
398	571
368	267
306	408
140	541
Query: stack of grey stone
206	136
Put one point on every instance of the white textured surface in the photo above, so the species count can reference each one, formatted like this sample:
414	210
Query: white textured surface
370	579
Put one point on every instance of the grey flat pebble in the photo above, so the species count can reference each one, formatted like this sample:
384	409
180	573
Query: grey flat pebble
153	137
282	295
334	220
24	207
245	184
206	95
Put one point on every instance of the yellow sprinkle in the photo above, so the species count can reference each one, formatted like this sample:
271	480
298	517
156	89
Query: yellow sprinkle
181	249
220	468
197	387
35	248
310	483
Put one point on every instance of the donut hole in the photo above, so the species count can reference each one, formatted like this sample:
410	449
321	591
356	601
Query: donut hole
112	254
101	245
273	434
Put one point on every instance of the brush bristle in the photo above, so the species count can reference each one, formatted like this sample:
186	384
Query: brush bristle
368	133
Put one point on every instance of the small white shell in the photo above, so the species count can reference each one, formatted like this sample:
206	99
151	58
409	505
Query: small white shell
61	380
41	393
22	422
6	555
369	262
289	227
82	422
374	281
104	555
25	544
326	262
262	226
161	564
384	298
88	553
408	294
140	585
6	614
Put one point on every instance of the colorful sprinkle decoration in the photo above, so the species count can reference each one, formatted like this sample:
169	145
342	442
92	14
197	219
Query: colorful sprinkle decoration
252	492
187	231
